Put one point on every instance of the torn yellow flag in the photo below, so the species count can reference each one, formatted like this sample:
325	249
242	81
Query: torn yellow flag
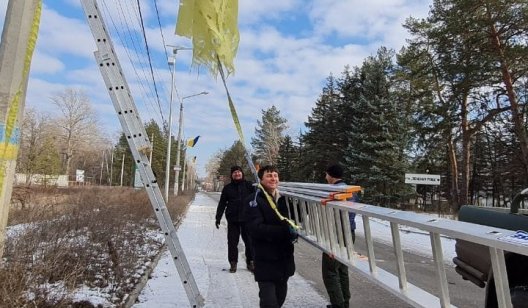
212	26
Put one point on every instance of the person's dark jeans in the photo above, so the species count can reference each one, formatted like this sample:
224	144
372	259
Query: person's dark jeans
234	230
336	281
272	294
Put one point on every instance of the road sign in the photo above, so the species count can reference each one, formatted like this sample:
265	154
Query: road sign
422	179
79	176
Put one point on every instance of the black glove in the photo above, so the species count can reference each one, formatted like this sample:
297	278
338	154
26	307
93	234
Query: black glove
293	234
217	224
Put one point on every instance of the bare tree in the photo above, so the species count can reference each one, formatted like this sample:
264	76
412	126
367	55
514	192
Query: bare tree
38	151
77	123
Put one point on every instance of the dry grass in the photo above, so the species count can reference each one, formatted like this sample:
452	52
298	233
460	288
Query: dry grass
94	237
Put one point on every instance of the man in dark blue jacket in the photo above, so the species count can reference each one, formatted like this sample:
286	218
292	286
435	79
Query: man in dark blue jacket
231	200
335	273
271	235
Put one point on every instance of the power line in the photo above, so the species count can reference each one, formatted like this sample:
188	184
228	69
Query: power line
148	55
133	46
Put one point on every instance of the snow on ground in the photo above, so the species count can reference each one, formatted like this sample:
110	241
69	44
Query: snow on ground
412	240
206	250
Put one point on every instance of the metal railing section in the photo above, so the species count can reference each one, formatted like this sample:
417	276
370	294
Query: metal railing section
322	222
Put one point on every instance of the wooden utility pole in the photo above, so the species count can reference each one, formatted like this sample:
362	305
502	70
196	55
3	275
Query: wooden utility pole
16	50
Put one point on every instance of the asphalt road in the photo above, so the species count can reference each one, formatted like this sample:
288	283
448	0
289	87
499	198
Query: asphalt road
364	293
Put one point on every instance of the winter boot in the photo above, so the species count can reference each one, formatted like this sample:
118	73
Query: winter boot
251	266
233	267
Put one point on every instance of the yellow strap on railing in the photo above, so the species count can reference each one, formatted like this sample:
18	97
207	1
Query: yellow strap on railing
274	207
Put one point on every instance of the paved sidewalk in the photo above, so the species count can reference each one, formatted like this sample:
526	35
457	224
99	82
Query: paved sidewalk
206	250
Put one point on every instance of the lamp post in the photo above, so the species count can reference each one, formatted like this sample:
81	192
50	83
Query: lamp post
177	168
171	62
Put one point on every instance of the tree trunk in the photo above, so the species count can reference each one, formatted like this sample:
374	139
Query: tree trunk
466	153
454	173
518	117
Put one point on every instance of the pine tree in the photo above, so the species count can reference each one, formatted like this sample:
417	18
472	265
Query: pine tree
121	150
234	156
320	144
288	161
376	156
269	134
159	151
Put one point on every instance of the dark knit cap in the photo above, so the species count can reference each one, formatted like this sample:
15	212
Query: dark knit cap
335	171
235	168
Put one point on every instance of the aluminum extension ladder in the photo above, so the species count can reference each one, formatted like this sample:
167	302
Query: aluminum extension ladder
138	141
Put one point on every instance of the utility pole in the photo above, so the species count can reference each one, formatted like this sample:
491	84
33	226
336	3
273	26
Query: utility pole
178	167
122	169
184	170
172	61
111	167
180	125
19	37
152	143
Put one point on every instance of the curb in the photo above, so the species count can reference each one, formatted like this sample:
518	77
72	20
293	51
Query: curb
133	296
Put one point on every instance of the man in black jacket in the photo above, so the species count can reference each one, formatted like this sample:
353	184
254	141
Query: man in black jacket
335	273
271	235
231	200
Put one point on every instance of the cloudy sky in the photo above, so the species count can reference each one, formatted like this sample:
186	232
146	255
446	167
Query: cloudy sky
287	50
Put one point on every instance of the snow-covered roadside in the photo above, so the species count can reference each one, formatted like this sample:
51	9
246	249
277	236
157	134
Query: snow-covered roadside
206	250
413	240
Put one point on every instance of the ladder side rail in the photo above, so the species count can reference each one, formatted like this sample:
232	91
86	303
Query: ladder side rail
438	257
332	234
400	264
307	225
309	192
317	187
298	219
478	234
349	243
318	224
339	216
370	244
500	276
138	141
325	228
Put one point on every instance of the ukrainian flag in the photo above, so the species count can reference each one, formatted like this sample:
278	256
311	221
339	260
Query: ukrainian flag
191	142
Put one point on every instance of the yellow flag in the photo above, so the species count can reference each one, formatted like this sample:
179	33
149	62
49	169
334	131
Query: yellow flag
213	27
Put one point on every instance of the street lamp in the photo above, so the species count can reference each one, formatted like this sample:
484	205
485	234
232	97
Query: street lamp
171	62
177	168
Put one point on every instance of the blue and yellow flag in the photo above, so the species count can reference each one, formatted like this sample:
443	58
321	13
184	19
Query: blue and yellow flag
191	142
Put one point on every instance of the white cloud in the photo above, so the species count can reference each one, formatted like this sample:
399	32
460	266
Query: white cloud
276	64
43	63
370	20
252	11
60	35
